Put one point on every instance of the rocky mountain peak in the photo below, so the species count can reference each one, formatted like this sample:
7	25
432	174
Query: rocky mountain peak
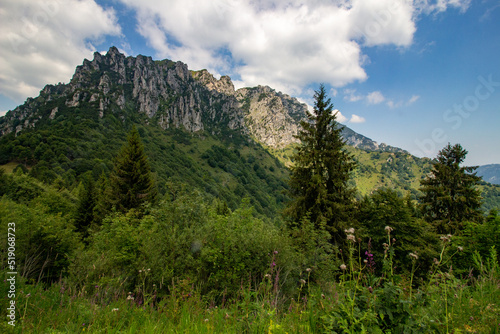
224	85
171	95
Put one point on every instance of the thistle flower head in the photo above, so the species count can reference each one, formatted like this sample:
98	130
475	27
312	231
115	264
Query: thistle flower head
343	267
388	229
351	237
445	238
349	231
460	248
413	256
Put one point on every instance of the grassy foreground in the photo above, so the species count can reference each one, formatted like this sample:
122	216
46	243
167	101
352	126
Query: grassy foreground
358	303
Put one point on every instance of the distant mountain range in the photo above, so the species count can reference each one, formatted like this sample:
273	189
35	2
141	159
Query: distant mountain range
197	129
490	173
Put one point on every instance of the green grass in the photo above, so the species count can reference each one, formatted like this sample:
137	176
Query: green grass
355	303
9	167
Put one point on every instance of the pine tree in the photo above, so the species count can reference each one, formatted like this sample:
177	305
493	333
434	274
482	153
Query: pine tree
86	204
131	181
322	168
450	196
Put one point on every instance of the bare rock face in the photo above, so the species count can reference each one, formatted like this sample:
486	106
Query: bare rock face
173	97
267	115
163	90
224	85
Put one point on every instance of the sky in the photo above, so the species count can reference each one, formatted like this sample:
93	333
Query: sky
416	74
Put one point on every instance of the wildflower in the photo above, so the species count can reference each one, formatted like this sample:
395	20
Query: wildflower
460	248
114	310
302	281
343	267
130	297
275	252
386	246
267	276
323	296
445	238
140	271
206	320
349	231
273	264
370	289
436	261
351	237
388	229
414	256
308	270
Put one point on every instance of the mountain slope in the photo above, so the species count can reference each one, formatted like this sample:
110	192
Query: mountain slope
490	173
197	131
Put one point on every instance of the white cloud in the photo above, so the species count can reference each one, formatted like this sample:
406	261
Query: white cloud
375	97
351	95
284	44
42	42
430	6
340	118
357	119
413	99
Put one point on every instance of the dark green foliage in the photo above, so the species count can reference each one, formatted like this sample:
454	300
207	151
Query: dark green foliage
131	181
450	194
86	205
44	235
319	178
476	237
412	235
185	239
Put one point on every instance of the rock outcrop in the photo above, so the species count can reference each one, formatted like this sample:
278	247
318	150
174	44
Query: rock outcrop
171	95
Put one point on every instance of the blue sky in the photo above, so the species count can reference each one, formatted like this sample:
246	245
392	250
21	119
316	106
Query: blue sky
413	74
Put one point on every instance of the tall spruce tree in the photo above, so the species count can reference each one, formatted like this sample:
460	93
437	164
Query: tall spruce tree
322	168
450	196
86	204
131	181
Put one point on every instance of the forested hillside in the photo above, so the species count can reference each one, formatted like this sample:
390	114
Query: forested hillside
142	197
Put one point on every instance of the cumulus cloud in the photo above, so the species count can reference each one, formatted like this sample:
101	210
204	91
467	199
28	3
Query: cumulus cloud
340	118
43	41
284	44
356	119
375	97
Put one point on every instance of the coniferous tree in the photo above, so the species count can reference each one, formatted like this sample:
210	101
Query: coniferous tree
450	196
86	204
131	181
322	168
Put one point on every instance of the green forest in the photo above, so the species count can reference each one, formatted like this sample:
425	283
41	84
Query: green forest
123	227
